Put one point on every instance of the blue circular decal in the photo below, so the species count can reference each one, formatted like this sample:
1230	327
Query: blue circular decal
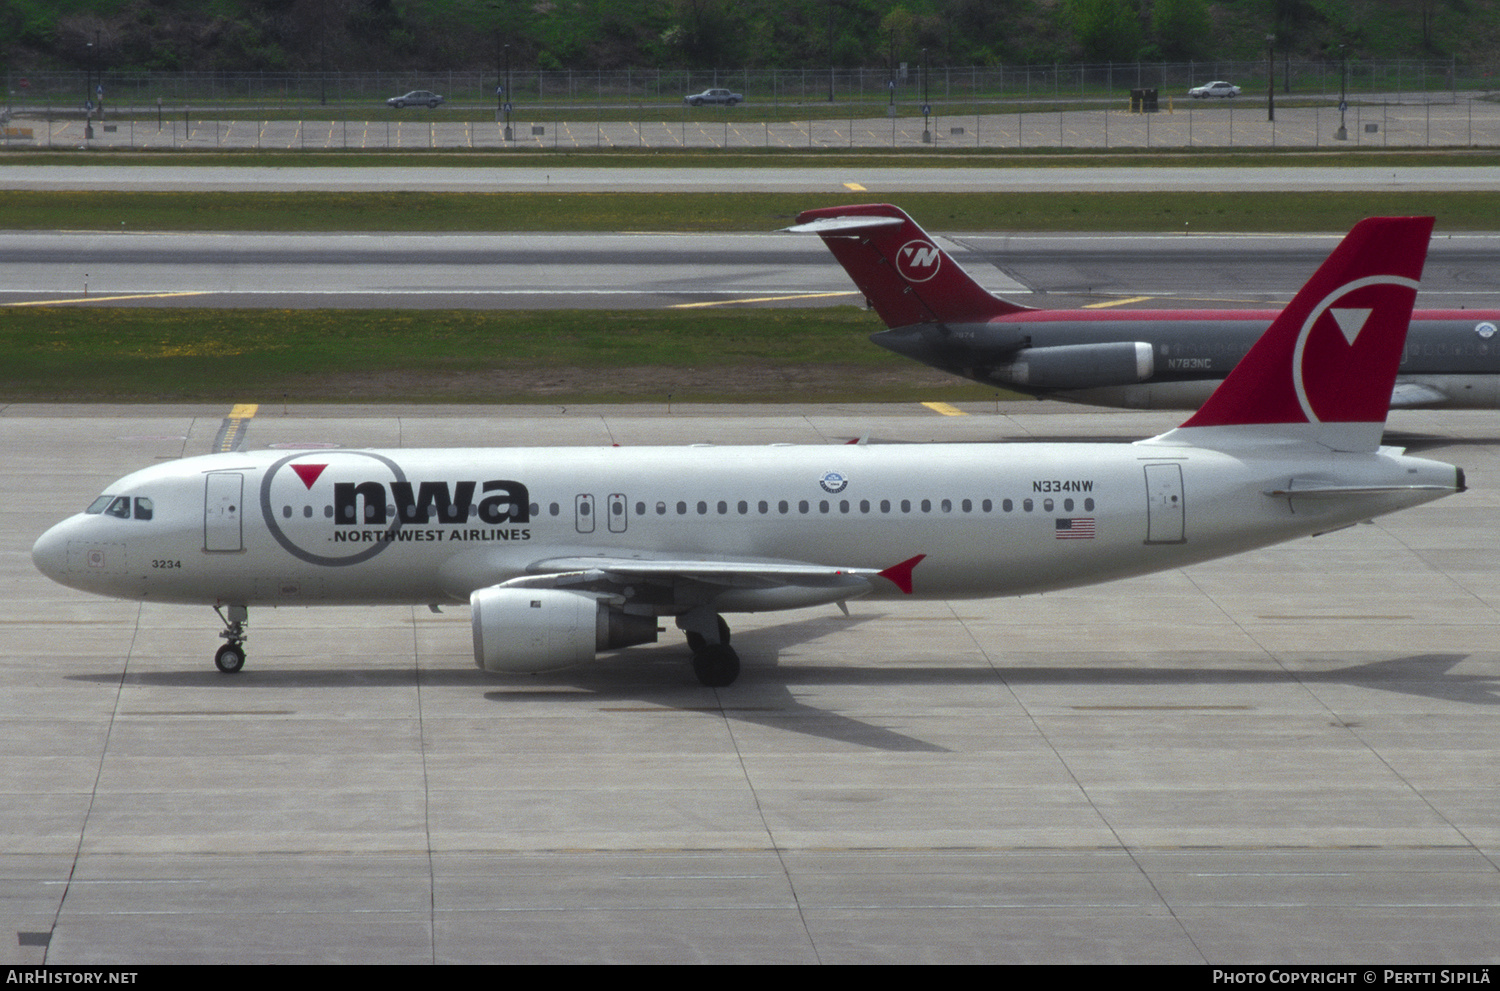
834	482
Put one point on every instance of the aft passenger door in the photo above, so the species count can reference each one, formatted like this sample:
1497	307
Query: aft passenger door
1165	512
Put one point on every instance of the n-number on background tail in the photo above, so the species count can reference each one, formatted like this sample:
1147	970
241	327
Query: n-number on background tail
1326	366
906	277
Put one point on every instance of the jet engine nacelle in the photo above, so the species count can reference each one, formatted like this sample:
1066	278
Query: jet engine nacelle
1078	366
528	630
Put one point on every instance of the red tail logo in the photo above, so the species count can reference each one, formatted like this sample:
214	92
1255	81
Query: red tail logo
1331	356
918	261
1351	330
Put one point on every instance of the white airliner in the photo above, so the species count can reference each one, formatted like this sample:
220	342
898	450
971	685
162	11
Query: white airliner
562	553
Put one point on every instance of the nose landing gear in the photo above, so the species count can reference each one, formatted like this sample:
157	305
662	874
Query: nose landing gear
231	657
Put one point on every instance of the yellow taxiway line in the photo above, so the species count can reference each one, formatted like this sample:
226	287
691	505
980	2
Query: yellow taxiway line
106	299
1116	302
232	430
758	299
945	409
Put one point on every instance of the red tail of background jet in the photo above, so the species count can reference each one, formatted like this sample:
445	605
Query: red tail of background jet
906	277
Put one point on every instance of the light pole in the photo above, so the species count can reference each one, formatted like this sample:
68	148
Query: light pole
891	84
508	97
830	51
1270	77
926	106
88	93
1343	134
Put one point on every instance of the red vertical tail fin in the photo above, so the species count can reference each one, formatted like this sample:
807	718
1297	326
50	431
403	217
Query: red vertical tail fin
901	271
1324	369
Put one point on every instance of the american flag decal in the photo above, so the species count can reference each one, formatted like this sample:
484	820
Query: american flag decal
1077	528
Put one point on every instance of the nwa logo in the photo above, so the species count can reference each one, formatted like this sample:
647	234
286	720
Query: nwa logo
335	522
918	260
442	502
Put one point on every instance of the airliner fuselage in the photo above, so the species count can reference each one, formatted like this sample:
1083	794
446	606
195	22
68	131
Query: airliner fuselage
433	526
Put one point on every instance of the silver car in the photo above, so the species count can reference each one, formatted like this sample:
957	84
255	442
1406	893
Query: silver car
1219	88
713	96
416	98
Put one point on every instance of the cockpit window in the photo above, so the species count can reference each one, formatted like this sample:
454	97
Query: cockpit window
120	507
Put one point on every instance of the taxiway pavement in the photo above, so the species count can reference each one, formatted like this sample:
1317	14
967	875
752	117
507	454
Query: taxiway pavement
1286	756
654	270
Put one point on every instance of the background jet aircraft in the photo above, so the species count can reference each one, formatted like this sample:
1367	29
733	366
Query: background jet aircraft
563	552
1147	359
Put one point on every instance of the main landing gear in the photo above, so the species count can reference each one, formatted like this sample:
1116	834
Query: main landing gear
714	662
231	657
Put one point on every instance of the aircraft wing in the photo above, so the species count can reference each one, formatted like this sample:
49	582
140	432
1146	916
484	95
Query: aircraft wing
612	575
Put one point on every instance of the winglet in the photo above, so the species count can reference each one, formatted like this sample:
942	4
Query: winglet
1323	371
901	271
900	574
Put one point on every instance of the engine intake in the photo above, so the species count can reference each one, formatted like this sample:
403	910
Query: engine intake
529	630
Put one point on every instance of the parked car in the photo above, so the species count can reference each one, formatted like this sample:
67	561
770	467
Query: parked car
1219	88
416	98
713	96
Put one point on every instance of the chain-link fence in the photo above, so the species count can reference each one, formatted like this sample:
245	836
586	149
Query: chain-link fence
1468	123
1390	104
1400	79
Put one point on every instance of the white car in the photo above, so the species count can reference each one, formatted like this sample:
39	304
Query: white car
416	98
1220	88
723	96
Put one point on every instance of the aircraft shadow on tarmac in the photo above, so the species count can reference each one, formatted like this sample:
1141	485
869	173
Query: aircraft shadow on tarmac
765	696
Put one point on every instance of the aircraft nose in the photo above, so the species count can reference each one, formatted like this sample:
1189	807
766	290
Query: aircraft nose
50	553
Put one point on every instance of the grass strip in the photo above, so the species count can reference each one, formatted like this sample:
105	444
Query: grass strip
690	211
554	356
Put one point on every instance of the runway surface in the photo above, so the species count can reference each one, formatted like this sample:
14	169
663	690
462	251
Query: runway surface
1282	757
652	270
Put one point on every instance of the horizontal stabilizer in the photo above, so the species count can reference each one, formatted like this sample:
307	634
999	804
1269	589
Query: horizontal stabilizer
1339	491
1409	395
837	225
